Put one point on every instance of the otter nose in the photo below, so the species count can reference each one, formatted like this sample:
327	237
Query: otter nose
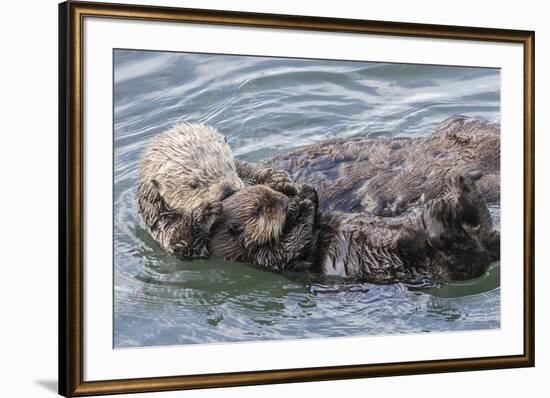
227	192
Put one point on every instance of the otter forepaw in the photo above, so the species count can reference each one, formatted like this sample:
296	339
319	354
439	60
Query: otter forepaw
306	208
286	187
210	213
309	193
300	210
280	181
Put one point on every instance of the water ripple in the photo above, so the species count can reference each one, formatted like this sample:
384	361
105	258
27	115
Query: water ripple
265	106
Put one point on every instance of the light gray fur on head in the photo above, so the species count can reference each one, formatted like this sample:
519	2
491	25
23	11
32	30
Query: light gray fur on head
190	164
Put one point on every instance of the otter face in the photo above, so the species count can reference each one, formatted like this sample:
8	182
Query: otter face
190	165
255	215
187	192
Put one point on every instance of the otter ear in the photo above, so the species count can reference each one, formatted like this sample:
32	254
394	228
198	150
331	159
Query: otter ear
234	228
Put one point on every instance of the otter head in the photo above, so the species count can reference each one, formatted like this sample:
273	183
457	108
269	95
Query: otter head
255	215
190	165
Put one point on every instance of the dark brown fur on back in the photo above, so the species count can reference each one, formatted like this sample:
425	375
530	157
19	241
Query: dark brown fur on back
389	176
449	238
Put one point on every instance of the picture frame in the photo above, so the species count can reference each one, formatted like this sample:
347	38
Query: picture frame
73	206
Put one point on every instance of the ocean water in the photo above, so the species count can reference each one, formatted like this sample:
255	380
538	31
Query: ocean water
264	106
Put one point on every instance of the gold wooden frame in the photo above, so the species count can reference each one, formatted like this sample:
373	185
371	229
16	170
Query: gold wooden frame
71	16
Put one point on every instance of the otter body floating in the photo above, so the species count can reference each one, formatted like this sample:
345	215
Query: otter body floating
390	176
449	238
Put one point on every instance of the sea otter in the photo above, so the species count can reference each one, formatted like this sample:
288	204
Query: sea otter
263	227
448	238
184	175
390	176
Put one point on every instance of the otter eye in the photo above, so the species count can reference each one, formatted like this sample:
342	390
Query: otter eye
257	211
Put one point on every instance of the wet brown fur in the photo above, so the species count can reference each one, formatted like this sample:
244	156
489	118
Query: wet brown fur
389	176
263	227
185	173
448	238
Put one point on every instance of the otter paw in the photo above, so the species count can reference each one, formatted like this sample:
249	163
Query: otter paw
300	210
308	192
280	181
306	208
211	212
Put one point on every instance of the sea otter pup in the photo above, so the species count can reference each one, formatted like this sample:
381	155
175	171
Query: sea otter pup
184	175
449	238
390	176
263	227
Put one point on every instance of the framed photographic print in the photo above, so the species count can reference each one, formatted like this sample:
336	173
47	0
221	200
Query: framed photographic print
252	199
